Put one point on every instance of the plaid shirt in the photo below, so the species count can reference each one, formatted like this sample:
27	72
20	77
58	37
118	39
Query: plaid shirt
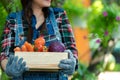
8	37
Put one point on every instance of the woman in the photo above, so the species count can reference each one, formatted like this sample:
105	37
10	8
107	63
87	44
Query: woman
37	19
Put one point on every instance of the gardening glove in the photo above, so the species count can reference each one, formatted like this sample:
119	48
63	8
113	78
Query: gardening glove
68	65
15	67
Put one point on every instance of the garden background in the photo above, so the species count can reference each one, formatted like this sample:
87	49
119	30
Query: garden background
96	26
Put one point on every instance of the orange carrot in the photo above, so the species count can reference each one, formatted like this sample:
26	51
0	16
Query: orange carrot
23	48
17	49
29	47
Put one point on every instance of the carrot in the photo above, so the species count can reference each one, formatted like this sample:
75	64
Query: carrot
29	47
17	49
23	48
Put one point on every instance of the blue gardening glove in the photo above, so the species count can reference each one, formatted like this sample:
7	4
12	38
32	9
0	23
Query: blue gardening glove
15	67
68	65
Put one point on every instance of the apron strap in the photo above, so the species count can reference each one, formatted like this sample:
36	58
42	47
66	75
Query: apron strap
19	30
55	25
20	33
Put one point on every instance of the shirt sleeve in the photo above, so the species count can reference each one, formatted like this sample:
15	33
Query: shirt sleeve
8	38
67	34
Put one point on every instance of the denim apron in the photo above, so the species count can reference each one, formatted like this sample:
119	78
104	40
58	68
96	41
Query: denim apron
19	41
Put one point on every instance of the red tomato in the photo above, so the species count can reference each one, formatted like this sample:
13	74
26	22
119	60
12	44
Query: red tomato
38	48
40	41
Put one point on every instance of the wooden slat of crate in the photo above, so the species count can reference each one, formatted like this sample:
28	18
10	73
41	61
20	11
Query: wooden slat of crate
42	60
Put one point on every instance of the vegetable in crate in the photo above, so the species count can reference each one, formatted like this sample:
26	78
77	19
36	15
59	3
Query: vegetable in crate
26	47
40	41
56	46
38	48
29	47
17	49
39	44
23	48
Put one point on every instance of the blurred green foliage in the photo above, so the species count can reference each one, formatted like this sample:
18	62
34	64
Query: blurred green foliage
58	3
84	74
3	15
99	24
102	20
74	9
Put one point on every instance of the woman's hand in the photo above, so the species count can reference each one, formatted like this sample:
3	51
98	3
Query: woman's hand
68	65
15	67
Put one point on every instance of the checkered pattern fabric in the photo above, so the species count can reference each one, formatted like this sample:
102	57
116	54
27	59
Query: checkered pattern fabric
8	37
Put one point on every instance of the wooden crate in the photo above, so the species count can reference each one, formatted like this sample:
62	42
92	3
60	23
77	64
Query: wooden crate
42	60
